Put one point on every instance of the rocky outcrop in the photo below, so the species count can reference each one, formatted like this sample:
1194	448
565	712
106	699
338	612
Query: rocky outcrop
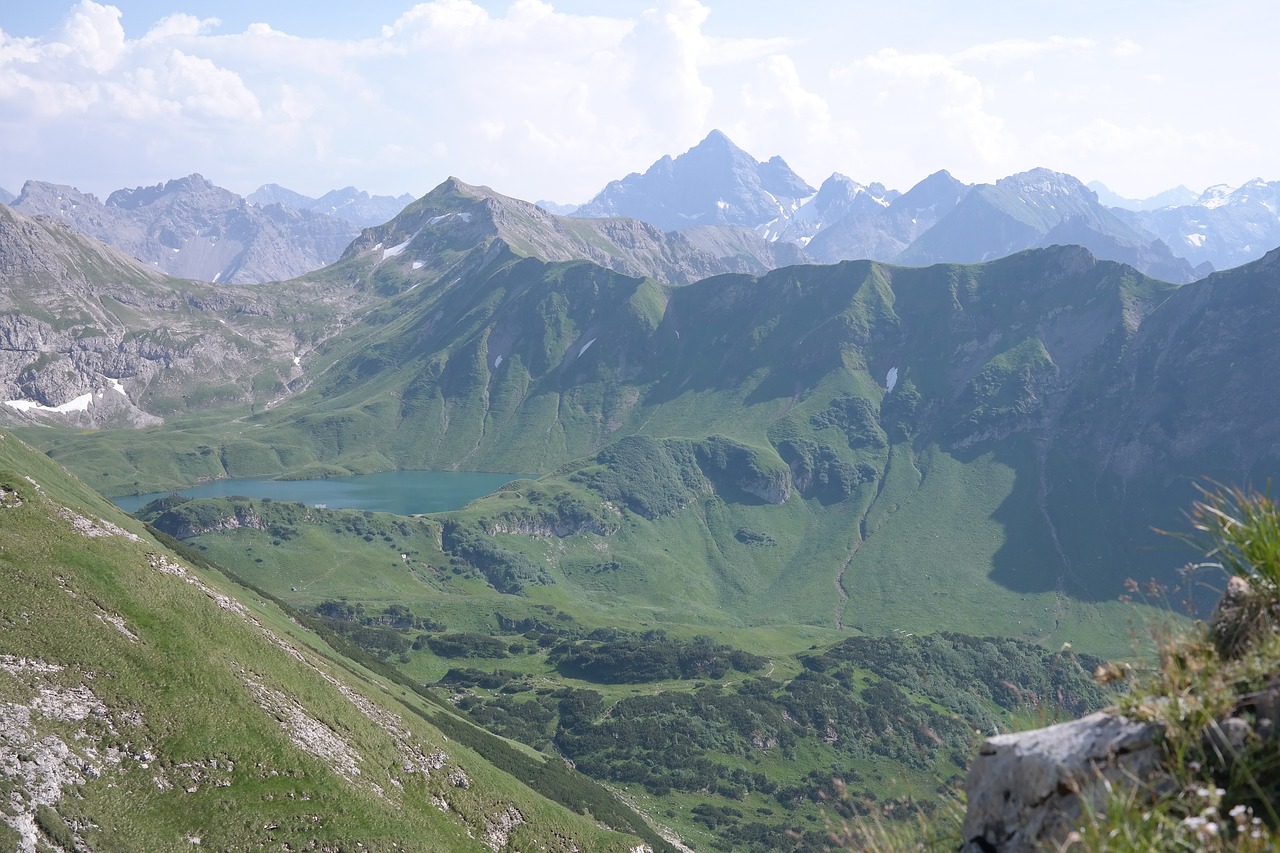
1030	789
184	522
91	338
547	526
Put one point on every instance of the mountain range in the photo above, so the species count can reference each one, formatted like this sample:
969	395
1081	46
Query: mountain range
1171	236
190	228
476	331
348	204
101	339
1225	226
750	481
1175	197
707	197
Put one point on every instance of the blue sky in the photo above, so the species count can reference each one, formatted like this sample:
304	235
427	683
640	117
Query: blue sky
554	99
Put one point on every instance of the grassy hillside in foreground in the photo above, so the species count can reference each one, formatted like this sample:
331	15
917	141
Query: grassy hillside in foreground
149	704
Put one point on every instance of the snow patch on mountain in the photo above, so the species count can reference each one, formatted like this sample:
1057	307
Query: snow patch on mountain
79	404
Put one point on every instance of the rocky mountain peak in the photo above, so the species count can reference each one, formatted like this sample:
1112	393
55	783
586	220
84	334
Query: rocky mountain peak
52	197
836	188
1215	195
940	184
713	183
193	184
717	139
1047	182
778	178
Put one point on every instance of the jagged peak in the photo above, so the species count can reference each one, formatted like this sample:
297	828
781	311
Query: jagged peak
840	178
717	138
134	197
1044	179
455	184
38	188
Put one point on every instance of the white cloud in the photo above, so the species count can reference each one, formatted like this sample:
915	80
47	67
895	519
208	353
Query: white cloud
1125	47
540	102
959	100
179	24
94	35
207	90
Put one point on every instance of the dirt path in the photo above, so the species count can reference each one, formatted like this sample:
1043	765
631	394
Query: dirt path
864	534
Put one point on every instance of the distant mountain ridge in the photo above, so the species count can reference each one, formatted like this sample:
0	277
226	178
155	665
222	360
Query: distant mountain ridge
1040	207
5	196
1176	235
190	228
702	201
1225	226
456	216
350	204
881	231
1175	197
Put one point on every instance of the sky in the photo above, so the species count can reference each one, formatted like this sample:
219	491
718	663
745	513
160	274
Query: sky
552	100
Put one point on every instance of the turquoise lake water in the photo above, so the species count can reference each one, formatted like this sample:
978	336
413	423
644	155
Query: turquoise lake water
401	492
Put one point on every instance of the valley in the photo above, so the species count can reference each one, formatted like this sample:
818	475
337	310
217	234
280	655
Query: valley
778	522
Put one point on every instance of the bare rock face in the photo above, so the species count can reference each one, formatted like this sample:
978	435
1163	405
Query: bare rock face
1027	790
91	338
191	228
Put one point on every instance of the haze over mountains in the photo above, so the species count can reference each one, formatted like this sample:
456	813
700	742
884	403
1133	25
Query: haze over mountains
937	221
349	204
1175	197
190	228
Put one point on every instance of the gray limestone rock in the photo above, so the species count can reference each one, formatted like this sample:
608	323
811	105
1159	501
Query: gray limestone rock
1028	789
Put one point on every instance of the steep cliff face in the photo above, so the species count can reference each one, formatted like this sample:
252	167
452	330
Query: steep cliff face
90	337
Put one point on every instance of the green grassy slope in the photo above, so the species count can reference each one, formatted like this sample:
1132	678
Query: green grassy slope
151	705
725	721
525	365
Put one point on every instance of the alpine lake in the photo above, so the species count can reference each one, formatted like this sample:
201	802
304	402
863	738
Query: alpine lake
400	492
